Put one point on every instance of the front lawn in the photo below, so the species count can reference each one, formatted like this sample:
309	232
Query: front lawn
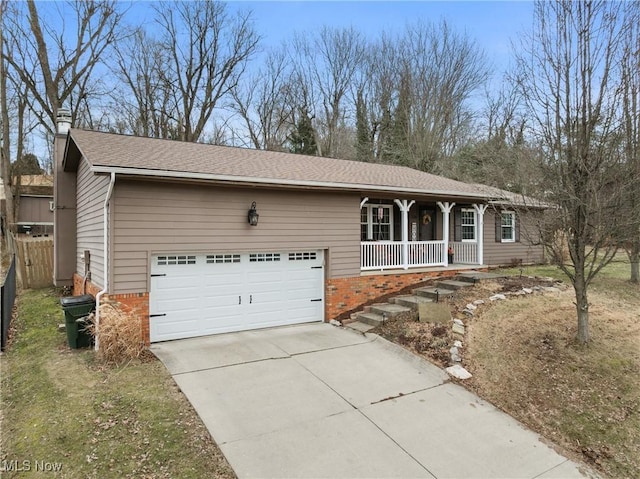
61	409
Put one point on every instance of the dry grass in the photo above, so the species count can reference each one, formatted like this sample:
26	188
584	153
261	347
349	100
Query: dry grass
524	359
120	334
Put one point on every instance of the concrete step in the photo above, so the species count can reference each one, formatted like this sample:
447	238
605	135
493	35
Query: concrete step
453	284
433	293
372	319
477	276
359	326
411	301
389	310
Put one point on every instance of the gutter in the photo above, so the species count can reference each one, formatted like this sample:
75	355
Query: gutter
280	182
105	268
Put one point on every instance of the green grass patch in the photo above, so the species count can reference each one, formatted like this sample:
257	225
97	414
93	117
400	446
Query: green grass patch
61	406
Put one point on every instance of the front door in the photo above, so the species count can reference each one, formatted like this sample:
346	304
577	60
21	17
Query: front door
427	224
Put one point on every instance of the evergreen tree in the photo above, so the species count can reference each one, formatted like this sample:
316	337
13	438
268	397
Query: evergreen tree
303	137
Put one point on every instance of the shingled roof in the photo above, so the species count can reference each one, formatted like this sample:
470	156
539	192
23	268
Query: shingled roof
139	156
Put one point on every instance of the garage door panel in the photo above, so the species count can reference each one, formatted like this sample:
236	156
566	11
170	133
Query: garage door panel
217	293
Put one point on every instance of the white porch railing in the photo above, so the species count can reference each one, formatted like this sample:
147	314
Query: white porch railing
378	255
426	253
465	252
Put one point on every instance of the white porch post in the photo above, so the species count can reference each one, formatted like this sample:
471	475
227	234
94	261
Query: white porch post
405	206
480	209
446	208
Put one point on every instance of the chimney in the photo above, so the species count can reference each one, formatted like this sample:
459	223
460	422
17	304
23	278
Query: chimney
64	206
63	121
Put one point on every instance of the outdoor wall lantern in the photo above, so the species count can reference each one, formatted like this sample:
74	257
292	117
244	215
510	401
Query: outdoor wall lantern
253	215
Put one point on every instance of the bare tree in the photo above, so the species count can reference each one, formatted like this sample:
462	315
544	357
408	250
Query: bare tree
265	103
325	69
64	68
630	76
568	84
208	52
5	152
444	68
143	102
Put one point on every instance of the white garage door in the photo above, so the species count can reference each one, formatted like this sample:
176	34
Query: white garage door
201	294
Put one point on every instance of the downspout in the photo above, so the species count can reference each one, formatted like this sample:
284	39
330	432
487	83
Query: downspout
105	213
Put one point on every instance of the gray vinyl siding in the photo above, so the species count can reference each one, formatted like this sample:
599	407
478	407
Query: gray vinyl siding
498	253
91	192
35	209
153	217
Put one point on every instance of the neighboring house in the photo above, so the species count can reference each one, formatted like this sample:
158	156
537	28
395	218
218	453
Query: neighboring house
35	205
164	227
33	201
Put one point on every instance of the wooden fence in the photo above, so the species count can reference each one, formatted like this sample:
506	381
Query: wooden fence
35	262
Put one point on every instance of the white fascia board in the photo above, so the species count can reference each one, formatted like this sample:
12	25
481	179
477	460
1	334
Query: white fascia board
278	182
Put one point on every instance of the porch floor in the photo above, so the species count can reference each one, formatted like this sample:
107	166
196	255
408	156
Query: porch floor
427	269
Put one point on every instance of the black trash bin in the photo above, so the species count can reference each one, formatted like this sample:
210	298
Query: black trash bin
76	309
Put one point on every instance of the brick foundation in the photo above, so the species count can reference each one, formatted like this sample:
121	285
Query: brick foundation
345	294
136	303
341	294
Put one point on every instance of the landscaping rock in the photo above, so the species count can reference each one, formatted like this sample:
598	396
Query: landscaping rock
453	350
471	307
335	323
497	297
468	312
527	290
457	343
458	321
551	289
458	329
478	302
458	371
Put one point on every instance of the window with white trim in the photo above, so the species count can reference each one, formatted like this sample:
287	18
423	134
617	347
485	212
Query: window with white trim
468	222
376	223
508	227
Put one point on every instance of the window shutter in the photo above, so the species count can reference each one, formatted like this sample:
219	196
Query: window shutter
516	221
457	225
498	217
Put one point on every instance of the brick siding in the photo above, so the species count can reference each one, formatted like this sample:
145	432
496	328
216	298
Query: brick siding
136	303
345	294
341	294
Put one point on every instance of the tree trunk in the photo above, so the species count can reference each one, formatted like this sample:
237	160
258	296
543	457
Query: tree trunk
5	159
634	259
582	308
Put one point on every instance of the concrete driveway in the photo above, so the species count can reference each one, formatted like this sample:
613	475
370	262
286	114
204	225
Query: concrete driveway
316	401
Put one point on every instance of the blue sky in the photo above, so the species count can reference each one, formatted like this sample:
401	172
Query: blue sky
491	23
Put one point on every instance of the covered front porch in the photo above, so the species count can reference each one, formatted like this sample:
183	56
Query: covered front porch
422	238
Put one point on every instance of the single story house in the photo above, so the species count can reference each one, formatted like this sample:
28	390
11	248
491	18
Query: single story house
202	239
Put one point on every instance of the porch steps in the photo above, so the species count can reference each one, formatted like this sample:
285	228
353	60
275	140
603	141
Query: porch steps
411	301
453	284
477	276
434	293
376	314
